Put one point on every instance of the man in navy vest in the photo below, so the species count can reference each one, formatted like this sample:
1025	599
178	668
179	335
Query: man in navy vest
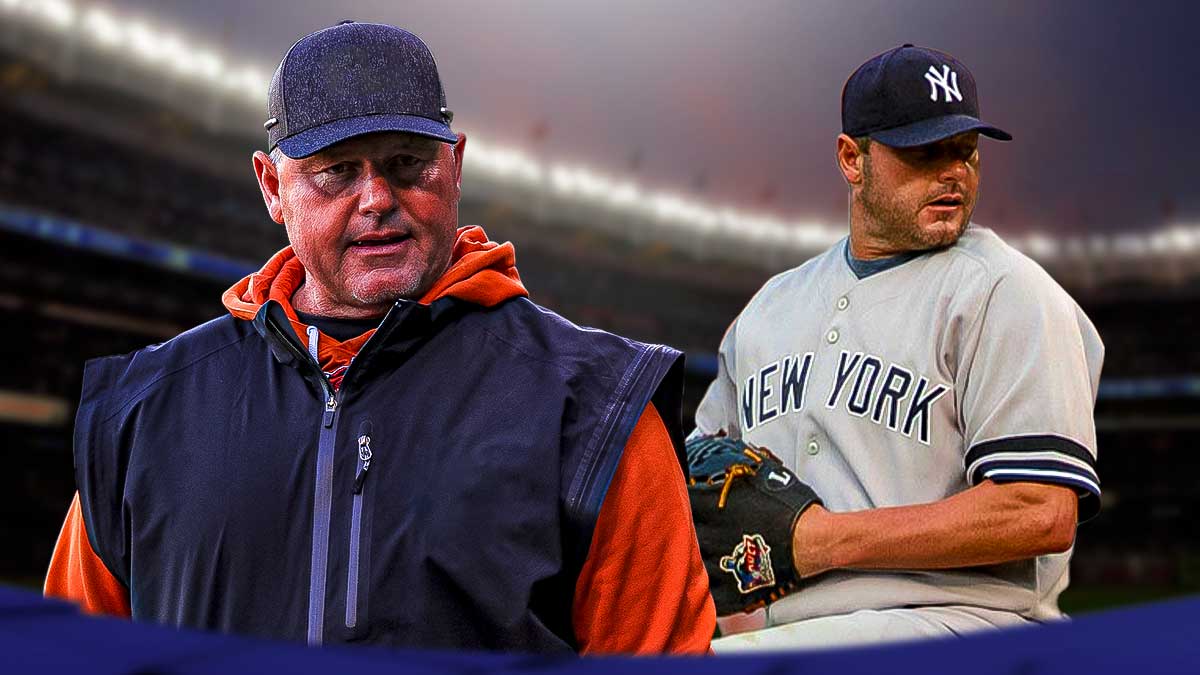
385	441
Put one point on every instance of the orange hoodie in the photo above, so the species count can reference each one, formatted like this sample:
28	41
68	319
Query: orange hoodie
481	271
643	588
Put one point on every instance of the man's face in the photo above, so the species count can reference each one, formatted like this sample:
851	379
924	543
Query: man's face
923	197
372	219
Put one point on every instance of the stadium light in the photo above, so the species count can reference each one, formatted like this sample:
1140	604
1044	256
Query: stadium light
504	163
58	14
1040	246
175	53
102	27
1132	246
208	64
625	195
248	81
1160	242
143	41
584	184
1184	238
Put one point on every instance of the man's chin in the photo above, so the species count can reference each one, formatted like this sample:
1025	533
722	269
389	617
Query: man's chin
942	233
387	291
382	297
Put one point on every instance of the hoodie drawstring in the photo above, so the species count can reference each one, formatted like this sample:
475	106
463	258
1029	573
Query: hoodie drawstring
312	342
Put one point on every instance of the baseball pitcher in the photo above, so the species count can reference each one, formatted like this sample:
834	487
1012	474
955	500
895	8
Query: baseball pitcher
899	442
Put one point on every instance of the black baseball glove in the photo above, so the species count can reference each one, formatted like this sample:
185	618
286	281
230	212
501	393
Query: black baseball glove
745	504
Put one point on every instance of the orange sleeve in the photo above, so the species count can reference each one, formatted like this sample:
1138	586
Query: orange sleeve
643	588
77	573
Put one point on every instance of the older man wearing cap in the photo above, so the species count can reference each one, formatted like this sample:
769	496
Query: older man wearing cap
385	441
931	385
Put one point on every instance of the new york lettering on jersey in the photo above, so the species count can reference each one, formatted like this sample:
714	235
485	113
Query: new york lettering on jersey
885	393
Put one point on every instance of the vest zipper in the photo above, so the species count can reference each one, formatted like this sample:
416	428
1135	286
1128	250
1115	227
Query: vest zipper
322	505
323	493
364	464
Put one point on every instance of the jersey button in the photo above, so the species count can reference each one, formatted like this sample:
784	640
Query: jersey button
843	302
832	336
813	447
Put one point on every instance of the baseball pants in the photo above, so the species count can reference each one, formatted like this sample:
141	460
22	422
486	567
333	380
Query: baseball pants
867	627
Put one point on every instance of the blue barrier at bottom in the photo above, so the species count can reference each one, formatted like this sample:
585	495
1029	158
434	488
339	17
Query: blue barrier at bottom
51	636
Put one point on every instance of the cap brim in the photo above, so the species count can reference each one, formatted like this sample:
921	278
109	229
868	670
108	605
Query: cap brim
311	141
936	129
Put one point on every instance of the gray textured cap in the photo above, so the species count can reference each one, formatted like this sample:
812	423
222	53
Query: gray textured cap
353	79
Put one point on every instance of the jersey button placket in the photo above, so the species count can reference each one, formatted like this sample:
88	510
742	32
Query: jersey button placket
842	303
813	447
832	336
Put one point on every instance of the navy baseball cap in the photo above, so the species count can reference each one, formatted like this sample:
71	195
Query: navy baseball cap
353	79
911	96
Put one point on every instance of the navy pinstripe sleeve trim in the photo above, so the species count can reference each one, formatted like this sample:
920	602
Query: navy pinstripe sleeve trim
1040	459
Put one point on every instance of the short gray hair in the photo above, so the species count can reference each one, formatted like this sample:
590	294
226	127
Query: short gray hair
277	156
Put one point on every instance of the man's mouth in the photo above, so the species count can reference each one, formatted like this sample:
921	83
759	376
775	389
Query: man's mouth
379	240
952	200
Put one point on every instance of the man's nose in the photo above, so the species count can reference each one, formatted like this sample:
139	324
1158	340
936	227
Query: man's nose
376	197
954	170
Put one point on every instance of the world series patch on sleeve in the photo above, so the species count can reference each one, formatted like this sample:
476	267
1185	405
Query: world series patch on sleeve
745	504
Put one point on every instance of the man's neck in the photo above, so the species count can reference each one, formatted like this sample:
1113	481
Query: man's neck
863	246
307	300
868	250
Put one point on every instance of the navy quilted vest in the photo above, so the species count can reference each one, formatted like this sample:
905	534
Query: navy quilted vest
444	497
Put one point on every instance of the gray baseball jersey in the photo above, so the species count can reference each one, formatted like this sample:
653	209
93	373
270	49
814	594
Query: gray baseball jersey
908	386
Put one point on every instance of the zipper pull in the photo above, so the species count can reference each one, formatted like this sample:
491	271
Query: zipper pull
330	409
364	462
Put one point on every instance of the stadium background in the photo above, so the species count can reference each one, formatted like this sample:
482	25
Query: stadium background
127	206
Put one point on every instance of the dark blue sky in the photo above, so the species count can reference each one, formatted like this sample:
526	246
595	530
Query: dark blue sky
738	101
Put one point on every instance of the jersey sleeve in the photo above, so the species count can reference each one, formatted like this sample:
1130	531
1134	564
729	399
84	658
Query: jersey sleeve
718	410
643	588
1028	389
77	574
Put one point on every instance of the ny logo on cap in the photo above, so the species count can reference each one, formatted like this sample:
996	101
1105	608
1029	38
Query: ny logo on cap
947	80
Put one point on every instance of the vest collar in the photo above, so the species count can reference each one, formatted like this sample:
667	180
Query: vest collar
407	324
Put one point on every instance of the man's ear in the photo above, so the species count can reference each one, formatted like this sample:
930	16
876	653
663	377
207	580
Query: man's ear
268	184
850	159
459	147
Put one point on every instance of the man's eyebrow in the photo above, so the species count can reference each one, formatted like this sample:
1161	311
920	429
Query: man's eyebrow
414	144
397	147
